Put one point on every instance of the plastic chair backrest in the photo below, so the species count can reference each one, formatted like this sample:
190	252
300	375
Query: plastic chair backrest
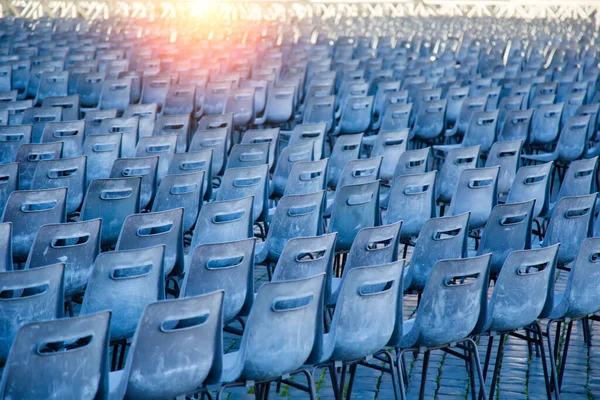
355	207
125	282
181	191
453	300
195	320
508	229
475	193
161	146
223	221
29	296
457	160
570	224
62	172
145	167
101	152
242	182
532	183
152	229
440	239
225	266
347	147
112	200
55	349
505	155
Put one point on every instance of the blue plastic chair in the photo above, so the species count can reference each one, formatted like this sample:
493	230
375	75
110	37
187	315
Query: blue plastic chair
29	296
125	282
227	266
181	371
55	349
286	312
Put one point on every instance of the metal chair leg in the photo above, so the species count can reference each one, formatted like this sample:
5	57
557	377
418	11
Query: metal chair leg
540	344
424	375
477	360
393	373
351	380
312	390
563	361
552	352
498	365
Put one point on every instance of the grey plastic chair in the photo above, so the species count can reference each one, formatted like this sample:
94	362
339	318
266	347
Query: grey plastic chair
193	161
453	300
144	167
508	229
52	84
227	266
127	127
320	110
218	122
242	182
70	133
303	257
93	120
29	296
178	125
523	290
152	229
112	200
390	145
306	177
372	246
545	125
38	118
412	162
101	151
456	161
161	146
28	210
578	179
469	107
55	349
181	191
440	239
355	116
125	282
75	244
215	140
248	155
396	117
430	121
9	182
571	223
146	113
571	145
516	126
532	183
155	89
356	332
355	207
506	156
346	148
29	155
412	201
295	216
11	138
270	136
181	372
310	132
287	312
223	221
475	193
180	100
288	157
578	301
116	94
89	88
63	172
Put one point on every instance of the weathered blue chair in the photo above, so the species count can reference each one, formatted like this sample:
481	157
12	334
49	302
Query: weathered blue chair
55	349
181	371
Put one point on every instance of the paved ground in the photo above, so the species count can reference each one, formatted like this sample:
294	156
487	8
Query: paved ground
521	377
